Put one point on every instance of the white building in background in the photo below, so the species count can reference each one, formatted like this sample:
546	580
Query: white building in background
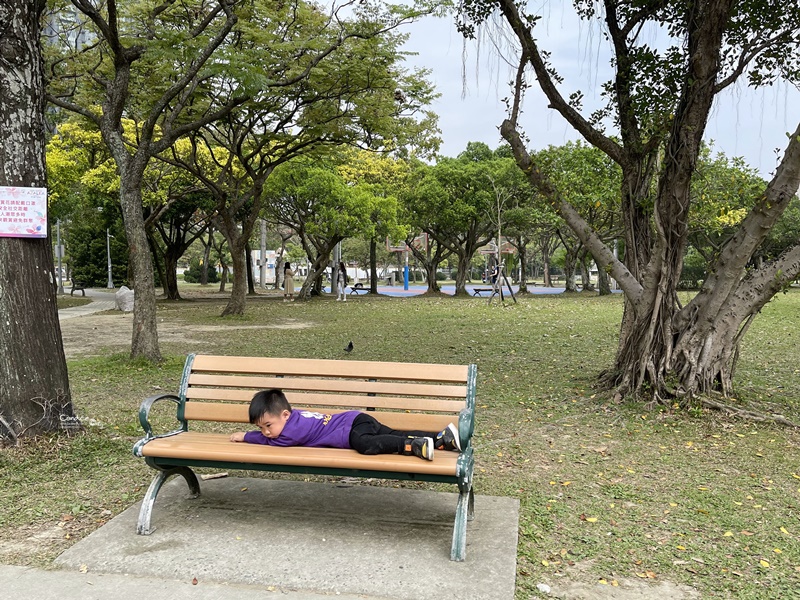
67	26
272	255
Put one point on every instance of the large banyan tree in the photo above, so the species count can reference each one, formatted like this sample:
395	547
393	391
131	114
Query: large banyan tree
658	104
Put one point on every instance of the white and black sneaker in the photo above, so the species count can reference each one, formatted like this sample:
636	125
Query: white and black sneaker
448	439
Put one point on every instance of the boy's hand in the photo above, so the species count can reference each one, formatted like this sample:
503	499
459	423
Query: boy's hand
238	436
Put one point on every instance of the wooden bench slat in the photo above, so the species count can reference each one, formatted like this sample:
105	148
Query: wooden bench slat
330	368
328	385
237	413
324	400
217	447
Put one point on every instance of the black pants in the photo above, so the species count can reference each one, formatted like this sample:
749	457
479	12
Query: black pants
368	436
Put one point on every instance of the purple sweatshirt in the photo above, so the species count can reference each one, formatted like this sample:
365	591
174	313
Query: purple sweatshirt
306	428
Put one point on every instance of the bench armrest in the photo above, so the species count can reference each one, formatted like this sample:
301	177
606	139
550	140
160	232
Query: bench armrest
144	419
466	426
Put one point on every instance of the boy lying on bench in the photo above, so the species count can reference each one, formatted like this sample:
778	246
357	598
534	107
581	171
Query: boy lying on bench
279	425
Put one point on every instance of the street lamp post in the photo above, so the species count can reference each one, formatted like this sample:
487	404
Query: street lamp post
110	284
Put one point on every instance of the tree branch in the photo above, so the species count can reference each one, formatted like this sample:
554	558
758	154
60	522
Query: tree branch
182	82
557	102
602	254
72	107
749	53
725	276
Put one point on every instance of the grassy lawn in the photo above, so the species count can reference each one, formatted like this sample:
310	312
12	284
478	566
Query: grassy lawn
607	490
65	301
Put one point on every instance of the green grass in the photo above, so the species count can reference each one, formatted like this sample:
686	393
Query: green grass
617	490
71	301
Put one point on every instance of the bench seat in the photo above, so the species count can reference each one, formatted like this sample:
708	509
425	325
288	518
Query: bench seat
403	396
358	288
214	447
479	291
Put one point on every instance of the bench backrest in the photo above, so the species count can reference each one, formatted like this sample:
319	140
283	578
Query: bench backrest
403	395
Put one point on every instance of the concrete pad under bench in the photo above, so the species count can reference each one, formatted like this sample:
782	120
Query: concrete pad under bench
331	538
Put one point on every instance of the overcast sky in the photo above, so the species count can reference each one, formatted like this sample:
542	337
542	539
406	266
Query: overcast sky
744	123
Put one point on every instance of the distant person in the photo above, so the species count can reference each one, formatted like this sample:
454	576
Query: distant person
495	272
280	425
288	283
341	282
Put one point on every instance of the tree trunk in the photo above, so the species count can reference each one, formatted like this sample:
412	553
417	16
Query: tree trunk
316	271
206	256
570	260
603	282
545	249
223	276
251	288
431	257
158	261
34	394
278	272
236	303
699	356
238	243
586	273
461	274
171	258
373	266
430	275
522	251
144	343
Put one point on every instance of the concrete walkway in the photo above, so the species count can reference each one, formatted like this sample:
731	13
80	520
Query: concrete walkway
258	538
22	583
101	300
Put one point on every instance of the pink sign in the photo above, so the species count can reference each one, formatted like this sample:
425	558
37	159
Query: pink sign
23	212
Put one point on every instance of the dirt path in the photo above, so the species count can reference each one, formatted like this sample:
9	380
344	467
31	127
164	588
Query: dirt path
110	333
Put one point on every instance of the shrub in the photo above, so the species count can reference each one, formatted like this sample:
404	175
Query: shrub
192	274
694	271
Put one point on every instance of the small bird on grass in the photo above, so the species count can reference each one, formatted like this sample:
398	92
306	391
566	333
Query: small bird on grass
349	347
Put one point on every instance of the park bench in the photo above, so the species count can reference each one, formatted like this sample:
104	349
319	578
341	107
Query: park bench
77	286
479	291
358	288
405	396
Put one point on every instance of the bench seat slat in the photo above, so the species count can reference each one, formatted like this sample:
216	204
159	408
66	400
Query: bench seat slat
325	400
328	385
217	447
237	413
330	368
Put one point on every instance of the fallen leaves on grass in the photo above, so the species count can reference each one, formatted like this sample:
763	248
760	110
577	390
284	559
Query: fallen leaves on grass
647	575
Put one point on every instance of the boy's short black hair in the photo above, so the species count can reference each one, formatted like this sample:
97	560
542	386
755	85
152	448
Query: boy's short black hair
268	402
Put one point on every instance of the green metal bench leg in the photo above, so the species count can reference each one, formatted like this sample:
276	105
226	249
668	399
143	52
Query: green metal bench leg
465	511
143	526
